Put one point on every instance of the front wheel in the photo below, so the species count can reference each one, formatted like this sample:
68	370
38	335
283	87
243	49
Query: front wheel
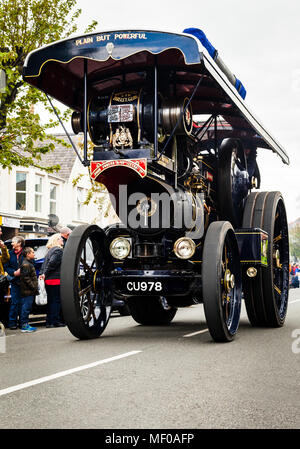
86	306
221	281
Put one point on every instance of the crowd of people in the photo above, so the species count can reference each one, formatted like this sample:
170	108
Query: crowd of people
294	273
18	275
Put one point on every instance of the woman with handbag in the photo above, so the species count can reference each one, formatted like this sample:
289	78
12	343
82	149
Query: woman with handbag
50	272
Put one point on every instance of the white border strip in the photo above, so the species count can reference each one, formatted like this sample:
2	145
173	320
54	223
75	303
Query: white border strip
196	333
295	300
64	373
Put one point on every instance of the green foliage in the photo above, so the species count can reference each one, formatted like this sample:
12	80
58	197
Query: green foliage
294	237
26	25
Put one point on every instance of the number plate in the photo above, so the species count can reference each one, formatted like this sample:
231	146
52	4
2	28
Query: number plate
144	286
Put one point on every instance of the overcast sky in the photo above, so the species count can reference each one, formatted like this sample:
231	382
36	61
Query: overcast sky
259	40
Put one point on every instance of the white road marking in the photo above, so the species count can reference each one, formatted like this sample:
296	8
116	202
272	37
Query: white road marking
64	373
195	333
206	330
295	300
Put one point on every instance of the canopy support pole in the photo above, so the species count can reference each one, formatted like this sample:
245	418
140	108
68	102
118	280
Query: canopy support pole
66	132
86	162
155	110
216	136
200	133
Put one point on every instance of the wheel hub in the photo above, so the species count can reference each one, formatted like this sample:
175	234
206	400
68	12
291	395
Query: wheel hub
276	257
229	280
97	281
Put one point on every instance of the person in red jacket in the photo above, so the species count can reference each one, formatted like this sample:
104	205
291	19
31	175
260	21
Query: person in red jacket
50	272
293	269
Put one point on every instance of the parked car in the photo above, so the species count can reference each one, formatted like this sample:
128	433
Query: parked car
40	249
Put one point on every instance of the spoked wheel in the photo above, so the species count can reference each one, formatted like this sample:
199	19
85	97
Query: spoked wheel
266	295
151	311
86	306
233	181
221	281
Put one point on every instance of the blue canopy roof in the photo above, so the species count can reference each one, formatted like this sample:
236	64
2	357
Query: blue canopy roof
58	68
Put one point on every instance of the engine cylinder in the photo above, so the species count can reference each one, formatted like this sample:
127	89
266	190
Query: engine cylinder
173	112
126	118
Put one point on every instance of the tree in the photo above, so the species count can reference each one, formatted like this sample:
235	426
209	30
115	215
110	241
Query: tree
294	237
26	25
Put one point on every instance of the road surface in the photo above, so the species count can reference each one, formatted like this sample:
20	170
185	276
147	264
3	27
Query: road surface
137	377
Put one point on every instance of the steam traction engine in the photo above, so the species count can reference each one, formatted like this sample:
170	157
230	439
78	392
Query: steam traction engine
175	145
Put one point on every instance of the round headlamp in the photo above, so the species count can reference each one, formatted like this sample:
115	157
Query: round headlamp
120	248
184	248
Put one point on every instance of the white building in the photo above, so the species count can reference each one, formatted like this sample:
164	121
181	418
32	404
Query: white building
29	195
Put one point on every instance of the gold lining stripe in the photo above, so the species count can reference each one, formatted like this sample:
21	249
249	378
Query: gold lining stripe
277	289
115	59
249	233
94	279
207	165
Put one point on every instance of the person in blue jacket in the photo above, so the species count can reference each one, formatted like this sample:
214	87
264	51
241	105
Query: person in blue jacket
13	269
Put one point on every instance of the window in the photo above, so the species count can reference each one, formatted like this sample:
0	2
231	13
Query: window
53	198
80	200
38	194
21	191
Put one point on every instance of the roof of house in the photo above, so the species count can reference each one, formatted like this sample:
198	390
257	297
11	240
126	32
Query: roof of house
61	155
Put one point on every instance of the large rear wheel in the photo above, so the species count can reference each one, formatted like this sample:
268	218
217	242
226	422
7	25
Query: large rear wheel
266	295
252	287
221	281
86	305
233	181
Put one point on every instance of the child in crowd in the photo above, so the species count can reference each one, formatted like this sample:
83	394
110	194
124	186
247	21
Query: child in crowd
28	288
